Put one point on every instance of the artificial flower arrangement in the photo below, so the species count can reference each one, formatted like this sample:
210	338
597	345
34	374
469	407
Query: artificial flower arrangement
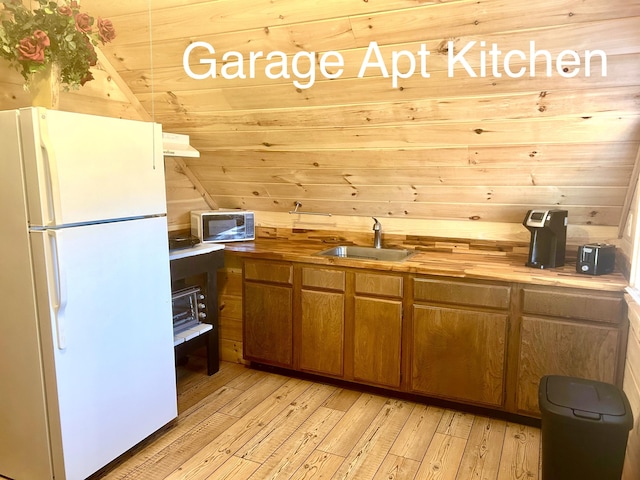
54	33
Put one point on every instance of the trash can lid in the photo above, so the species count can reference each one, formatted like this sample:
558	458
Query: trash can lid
585	396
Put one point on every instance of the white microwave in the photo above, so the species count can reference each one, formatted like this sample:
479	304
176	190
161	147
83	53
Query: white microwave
215	226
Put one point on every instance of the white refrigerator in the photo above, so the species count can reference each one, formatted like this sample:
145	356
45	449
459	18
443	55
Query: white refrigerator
86	339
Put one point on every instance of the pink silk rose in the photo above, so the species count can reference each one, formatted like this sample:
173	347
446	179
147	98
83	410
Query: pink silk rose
42	38
65	10
83	22
106	30
32	48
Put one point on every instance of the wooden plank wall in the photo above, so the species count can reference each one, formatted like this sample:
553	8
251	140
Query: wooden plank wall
475	150
182	197
632	390
102	96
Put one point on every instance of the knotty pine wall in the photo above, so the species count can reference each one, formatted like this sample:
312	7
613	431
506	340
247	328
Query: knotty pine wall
102	96
632	389
444	156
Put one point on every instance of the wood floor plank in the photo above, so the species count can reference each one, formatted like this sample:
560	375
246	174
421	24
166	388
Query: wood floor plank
481	457
342	400
164	462
374	445
397	468
353	424
457	424
520	453
194	386
319	466
208	459
235	469
296	450
243	423
443	458
248	379
278	430
416	435
183	433
262	389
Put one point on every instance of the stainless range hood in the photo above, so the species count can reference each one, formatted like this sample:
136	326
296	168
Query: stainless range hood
177	145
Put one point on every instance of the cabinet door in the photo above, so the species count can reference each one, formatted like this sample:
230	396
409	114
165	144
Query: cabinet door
268	326
322	332
377	338
459	354
550	347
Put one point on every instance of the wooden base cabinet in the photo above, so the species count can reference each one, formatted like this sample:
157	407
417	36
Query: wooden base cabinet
568	332
322	305
471	341
459	354
377	341
268	314
377	329
549	347
459	340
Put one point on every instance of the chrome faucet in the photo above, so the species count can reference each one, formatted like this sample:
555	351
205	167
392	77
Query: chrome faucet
377	233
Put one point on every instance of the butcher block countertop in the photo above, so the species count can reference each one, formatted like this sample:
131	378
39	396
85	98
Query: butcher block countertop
454	260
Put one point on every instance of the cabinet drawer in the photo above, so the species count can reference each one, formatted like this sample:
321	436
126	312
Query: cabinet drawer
581	305
376	284
459	293
268	272
323	278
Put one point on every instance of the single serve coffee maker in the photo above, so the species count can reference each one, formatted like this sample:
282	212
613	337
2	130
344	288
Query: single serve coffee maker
548	237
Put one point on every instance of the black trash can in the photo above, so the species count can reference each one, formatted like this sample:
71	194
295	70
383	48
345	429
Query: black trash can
585	426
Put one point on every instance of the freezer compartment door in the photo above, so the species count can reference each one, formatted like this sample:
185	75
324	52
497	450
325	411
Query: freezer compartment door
85	168
24	441
105	294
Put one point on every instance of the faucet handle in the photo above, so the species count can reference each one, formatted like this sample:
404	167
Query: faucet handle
377	225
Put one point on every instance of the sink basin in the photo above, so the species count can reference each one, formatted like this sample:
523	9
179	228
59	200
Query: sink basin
368	253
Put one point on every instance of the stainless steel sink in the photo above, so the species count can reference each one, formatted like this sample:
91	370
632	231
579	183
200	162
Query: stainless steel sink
368	253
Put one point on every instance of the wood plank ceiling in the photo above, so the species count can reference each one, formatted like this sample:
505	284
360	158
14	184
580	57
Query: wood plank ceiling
449	146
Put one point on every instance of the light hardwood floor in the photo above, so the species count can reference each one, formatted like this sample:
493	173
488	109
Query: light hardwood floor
248	424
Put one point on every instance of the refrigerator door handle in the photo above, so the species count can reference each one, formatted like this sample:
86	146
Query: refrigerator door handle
58	281
54	207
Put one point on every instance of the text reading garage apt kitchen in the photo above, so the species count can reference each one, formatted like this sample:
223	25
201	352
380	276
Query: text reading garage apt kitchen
476	59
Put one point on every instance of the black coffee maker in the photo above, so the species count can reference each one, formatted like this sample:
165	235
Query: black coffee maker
548	237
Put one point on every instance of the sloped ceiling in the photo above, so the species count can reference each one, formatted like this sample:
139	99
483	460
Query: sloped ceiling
446	146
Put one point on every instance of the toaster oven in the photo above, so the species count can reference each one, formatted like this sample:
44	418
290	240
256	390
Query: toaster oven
188	306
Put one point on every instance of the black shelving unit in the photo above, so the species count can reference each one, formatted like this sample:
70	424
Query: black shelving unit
201	269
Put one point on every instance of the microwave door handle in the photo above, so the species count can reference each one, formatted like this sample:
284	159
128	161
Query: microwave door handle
57	282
